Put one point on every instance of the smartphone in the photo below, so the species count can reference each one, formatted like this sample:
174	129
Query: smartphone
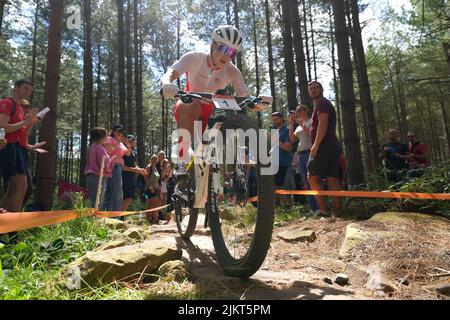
42	113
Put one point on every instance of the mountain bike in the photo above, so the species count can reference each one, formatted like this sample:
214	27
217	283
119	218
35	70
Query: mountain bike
228	185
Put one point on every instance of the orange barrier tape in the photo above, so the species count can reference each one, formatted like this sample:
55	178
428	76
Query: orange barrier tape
17	221
368	194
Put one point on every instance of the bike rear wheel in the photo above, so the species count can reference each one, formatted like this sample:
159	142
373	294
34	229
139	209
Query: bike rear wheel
185	215
241	227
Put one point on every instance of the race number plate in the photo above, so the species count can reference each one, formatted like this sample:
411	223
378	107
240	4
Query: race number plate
225	103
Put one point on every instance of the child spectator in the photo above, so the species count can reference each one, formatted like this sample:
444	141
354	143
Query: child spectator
152	190
96	153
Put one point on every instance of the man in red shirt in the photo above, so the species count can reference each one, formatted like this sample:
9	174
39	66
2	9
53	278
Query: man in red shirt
418	152
14	157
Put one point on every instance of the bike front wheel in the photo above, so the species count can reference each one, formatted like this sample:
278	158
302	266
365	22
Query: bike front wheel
240	203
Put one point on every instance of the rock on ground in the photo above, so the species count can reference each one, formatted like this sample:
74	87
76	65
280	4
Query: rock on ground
298	235
134	233
113	244
341	279
357	233
126	262
113	224
379	282
175	270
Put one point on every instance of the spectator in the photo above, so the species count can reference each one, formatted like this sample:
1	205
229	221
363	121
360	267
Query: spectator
163	181
161	158
170	185
303	134
394	153
418	154
324	153
297	179
14	156
114	192
250	174
152	190
95	156
130	174
3	143
284	150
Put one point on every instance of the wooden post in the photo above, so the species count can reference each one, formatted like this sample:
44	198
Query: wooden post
99	187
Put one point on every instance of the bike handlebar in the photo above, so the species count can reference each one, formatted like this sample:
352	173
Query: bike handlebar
244	102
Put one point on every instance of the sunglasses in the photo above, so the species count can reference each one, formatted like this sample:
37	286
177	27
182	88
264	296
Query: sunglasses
225	50
411	136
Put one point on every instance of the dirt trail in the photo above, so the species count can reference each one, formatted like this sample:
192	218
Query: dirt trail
290	271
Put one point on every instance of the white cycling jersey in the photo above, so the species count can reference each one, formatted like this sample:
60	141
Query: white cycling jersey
202	78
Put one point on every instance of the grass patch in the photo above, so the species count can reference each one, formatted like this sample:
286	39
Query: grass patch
284	215
28	266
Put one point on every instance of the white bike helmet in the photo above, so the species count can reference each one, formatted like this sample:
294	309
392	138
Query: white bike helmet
229	36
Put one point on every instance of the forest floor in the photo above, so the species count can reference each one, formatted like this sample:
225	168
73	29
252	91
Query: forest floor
398	260
306	270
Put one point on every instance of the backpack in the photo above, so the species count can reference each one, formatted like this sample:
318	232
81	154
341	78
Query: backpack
14	106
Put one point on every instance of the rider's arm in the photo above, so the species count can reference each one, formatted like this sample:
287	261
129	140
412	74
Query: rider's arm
180	67
170	76
237	80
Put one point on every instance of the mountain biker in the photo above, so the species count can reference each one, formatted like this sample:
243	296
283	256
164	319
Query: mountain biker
208	73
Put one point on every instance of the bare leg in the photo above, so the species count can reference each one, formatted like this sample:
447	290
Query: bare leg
15	193
335	185
155	203
126	203
188	114
314	181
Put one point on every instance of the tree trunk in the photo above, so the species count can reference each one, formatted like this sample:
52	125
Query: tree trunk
432	126
236	24
87	114
333	66
67	159
444	118
2	10
228	11
138	88
394	98
98	92
351	139
270	55
313	42
88	66
255	43
34	49
47	164
111	89
305	28
368	151
128	49
363	79
84	140
294	19
32	137
72	159
291	87
121	57
401	99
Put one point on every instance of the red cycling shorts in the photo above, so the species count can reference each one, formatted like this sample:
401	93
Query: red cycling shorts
206	112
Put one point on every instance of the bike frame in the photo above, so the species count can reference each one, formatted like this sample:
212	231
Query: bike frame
202	169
